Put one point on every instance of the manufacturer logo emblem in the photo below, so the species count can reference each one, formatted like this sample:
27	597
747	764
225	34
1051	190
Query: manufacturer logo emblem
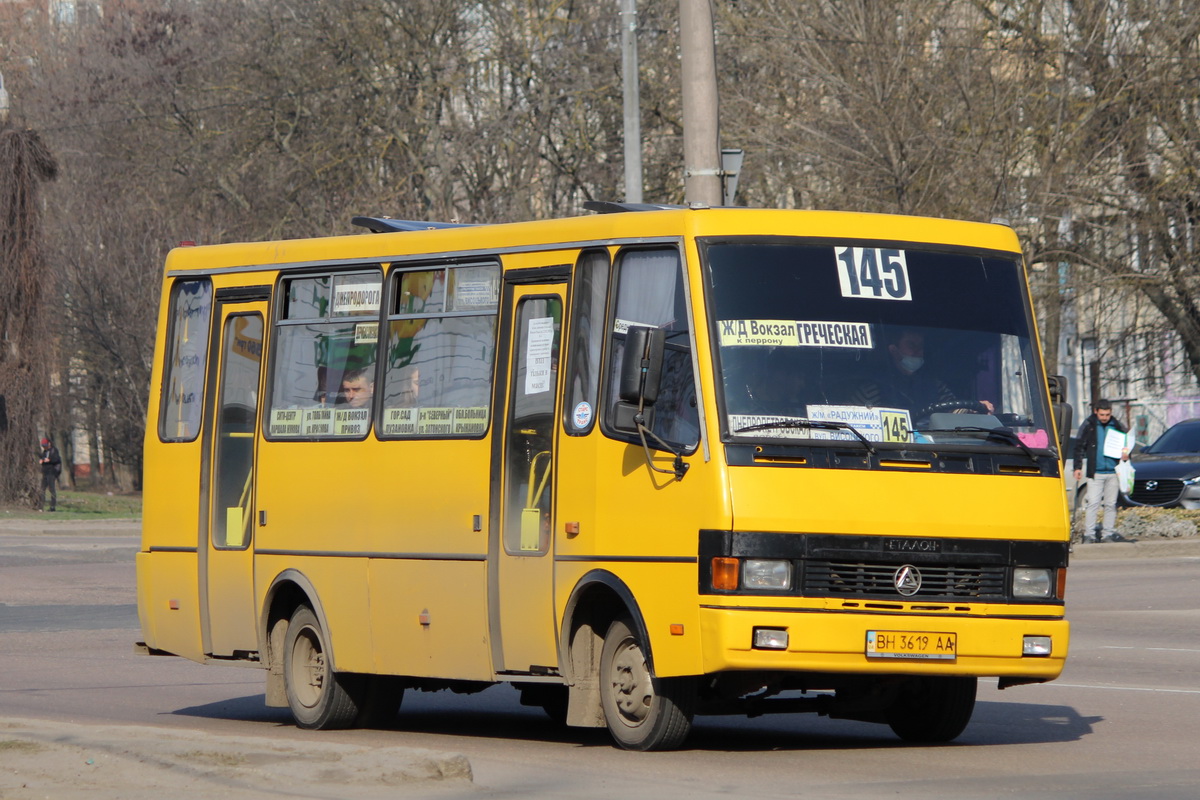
1151	486
907	580
912	545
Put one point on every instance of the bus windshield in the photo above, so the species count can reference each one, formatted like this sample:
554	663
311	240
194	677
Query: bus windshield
884	345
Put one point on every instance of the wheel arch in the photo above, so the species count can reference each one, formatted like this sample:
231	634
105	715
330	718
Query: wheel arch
288	590
600	597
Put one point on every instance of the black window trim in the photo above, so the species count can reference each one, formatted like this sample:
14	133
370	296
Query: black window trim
606	398
390	289
168	352
278	322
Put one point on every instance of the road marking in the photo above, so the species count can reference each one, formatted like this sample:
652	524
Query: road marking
1125	688
1116	688
1155	649
1052	684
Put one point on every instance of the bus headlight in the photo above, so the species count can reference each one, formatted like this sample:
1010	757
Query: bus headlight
1037	646
1033	582
770	639
762	574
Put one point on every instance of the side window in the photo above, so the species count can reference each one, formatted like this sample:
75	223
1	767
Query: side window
187	355
327	333
440	350
588	295
649	287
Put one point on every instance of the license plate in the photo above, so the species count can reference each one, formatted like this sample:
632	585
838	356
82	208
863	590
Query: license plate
912	644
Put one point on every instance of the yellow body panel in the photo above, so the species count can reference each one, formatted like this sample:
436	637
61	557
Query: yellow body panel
168	603
428	619
898	503
383	533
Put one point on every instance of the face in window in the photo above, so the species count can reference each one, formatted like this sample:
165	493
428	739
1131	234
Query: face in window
357	389
908	353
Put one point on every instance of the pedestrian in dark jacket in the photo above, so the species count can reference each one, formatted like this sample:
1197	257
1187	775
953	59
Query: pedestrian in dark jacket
51	469
1102	484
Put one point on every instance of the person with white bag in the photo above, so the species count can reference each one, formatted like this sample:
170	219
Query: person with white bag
1101	441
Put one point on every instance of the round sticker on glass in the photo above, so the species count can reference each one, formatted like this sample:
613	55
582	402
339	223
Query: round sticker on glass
582	415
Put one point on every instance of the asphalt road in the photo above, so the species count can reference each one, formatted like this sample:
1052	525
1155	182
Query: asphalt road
1123	721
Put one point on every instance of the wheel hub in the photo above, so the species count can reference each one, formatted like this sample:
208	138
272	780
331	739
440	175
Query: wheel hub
633	689
308	667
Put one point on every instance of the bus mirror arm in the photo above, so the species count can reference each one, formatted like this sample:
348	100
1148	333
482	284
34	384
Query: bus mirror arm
680	466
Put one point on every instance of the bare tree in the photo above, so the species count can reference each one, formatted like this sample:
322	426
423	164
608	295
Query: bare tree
221	120
25	163
1140	72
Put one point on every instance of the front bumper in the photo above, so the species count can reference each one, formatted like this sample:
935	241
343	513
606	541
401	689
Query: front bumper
835	642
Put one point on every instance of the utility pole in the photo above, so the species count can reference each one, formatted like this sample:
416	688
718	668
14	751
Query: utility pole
633	114
701	133
3	100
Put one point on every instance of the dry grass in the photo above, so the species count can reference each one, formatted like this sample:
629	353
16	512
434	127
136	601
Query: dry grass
85	503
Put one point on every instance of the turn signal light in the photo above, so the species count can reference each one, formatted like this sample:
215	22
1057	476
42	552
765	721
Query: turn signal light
725	573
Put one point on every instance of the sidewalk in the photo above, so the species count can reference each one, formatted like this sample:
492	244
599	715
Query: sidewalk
70	761
49	523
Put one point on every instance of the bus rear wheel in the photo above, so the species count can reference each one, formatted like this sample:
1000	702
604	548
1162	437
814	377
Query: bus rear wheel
318	697
642	712
932	710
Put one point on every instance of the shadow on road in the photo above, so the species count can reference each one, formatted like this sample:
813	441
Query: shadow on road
497	714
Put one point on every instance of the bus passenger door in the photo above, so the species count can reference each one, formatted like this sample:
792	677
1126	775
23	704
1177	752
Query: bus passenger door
228	618
521	556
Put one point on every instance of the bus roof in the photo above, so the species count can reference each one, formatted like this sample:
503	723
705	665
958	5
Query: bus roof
410	239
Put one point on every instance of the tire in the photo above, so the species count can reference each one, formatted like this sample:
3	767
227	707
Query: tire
642	712
319	698
932	710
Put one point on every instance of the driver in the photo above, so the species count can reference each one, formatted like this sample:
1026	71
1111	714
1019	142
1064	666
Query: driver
906	383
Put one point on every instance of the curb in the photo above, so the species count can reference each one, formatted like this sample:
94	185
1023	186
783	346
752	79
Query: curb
69	527
1144	548
111	759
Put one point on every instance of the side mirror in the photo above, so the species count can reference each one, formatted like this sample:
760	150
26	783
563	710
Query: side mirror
1063	413
641	375
641	370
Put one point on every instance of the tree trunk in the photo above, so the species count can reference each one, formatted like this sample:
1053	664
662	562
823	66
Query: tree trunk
25	164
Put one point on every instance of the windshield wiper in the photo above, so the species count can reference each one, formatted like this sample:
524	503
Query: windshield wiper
1006	434
823	425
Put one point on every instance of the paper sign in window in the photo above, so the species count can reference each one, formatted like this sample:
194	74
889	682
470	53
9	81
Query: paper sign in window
538	353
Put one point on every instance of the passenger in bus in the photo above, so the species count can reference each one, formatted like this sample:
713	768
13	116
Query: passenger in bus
358	387
404	388
906	382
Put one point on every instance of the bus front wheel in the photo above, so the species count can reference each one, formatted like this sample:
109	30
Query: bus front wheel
932	710
318	697
642	712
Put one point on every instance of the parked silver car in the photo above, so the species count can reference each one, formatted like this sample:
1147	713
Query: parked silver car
1167	473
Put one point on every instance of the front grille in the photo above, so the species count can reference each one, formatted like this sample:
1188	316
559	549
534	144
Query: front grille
867	578
1166	490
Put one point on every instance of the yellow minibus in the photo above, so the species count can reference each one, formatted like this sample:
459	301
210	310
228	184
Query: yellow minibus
642	465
